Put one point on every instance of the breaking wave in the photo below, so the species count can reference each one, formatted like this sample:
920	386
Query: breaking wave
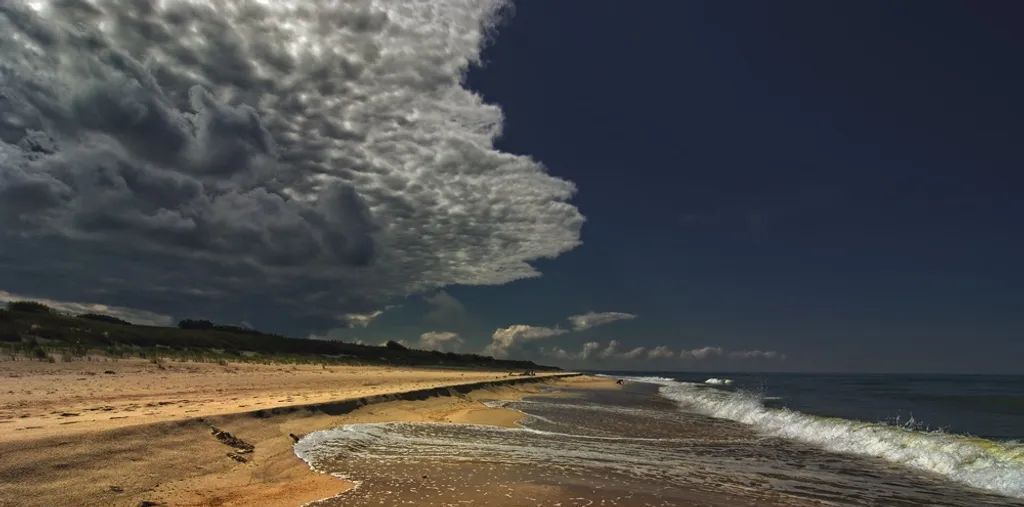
977	462
718	381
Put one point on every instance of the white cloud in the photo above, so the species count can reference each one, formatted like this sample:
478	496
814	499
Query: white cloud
556	352
612	351
635	353
505	339
508	338
266	147
359	341
444	341
439	340
133	315
360	319
589	350
756	354
660	352
701	354
594	319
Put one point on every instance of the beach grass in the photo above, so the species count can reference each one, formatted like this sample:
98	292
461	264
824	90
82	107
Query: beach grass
31	331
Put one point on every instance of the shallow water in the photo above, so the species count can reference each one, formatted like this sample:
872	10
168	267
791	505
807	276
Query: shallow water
634	447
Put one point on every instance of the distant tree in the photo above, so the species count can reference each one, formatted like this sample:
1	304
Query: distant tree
27	307
99	317
393	345
195	324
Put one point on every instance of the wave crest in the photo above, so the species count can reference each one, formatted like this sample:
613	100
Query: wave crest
977	462
718	381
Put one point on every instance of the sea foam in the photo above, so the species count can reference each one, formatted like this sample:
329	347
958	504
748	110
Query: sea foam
718	381
977	462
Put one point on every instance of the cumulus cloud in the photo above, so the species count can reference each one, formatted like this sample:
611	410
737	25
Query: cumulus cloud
613	350
556	353
359	341
701	353
508	338
133	315
267	147
505	339
756	354
443	341
594	319
660	352
445	310
360	319
439	340
588	350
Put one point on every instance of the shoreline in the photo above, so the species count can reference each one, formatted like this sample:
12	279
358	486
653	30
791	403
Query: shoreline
182	462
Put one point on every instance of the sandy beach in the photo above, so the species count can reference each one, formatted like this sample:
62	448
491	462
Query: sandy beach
127	432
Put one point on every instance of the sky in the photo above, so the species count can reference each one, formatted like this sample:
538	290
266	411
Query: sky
741	185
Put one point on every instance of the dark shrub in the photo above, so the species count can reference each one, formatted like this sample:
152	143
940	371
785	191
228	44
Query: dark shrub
78	349
27	307
393	345
35	350
236	329
49	333
195	324
99	317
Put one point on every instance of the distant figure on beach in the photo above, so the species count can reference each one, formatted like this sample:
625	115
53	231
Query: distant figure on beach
619	382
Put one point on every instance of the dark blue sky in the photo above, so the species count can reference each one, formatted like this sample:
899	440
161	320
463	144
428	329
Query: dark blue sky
838	181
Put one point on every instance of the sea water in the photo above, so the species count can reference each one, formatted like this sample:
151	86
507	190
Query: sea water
683	439
987	406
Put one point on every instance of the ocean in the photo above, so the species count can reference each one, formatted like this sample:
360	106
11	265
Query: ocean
706	439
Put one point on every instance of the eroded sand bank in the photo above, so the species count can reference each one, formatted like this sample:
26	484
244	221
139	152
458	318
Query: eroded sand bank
74	434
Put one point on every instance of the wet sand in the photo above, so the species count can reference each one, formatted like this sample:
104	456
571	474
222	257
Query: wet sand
622	447
75	434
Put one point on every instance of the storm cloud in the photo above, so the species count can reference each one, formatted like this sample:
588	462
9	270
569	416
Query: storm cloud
326	152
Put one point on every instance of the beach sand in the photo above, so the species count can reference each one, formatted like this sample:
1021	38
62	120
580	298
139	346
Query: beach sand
106	432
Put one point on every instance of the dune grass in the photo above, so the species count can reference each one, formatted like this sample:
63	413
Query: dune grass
30	330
